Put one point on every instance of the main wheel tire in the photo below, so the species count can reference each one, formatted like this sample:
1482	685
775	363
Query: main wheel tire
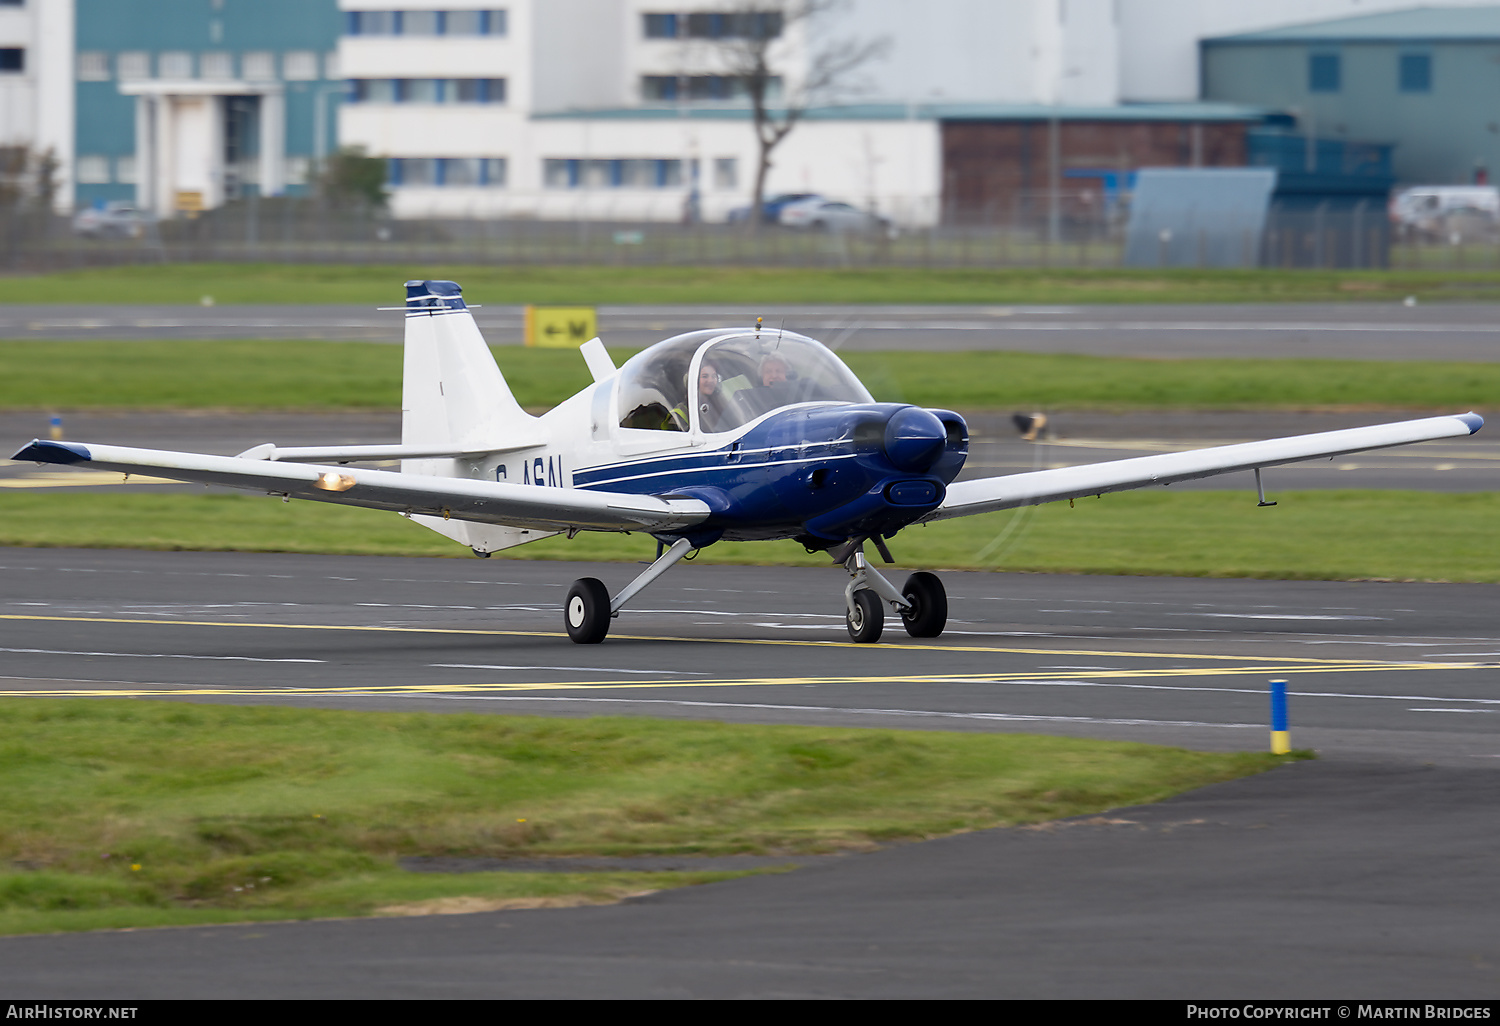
586	612
928	614
867	619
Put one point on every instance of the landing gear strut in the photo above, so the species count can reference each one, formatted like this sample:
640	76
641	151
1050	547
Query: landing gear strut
588	610
922	604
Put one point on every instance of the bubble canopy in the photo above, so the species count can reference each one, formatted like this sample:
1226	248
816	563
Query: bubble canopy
719	380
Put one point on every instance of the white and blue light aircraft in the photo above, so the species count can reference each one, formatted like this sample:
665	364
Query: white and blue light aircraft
735	434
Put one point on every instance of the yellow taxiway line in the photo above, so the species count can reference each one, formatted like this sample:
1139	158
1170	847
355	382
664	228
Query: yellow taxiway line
788	642
159	691
1220	666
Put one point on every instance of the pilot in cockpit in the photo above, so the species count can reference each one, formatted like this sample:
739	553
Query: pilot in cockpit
774	370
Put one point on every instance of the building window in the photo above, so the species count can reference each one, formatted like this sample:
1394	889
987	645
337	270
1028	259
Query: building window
426	90
629	173
726	173
91	170
472	172
175	64
419	90
93	66
1415	73
425	23
474	23
134	65
258	66
749	25
714	25
372	23
298	65
448	172
659	88
701	88
661	26
1323	73
216	65
12	59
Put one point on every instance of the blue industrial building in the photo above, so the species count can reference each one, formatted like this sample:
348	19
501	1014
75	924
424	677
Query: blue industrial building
1423	82
185	104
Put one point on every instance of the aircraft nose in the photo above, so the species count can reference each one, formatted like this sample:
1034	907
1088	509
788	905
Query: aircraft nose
914	439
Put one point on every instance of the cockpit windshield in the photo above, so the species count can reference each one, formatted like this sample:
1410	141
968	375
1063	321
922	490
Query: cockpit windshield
736	376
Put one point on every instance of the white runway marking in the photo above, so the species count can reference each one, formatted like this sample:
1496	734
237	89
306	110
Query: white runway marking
563	669
1279	616
926	713
1182	687
153	655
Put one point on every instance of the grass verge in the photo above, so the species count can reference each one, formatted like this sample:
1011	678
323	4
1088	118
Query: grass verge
1316	535
134	813
259	375
374	285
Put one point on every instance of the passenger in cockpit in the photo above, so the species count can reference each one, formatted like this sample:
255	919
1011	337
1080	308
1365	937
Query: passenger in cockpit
710	399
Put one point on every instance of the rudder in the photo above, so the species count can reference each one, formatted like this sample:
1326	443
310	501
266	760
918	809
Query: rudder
452	391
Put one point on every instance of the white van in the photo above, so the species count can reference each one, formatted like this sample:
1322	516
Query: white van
1439	212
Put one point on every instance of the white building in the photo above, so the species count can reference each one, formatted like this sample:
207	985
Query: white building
624	110
36	81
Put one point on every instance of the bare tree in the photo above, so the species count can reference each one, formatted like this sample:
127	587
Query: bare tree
754	43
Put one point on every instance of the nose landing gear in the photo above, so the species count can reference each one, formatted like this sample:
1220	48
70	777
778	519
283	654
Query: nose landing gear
922	604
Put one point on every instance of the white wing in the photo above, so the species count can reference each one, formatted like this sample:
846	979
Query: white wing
1029	489
534	507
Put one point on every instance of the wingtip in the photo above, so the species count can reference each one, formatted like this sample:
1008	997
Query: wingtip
1474	420
40	451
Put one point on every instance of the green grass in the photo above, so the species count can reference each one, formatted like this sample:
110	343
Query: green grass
381	285
128	813
258	375
1316	535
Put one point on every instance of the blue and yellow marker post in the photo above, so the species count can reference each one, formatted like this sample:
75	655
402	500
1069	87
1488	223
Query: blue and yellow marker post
1281	738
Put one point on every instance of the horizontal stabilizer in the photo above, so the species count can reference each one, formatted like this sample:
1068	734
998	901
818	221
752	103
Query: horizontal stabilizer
367	453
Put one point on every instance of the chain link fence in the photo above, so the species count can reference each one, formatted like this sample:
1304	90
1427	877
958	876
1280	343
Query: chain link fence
1067	235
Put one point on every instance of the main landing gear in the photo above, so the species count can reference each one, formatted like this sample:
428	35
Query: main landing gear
922	604
589	608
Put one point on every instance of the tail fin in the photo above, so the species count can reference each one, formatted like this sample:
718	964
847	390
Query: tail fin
452	391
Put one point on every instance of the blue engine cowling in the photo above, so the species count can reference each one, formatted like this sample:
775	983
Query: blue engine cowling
825	474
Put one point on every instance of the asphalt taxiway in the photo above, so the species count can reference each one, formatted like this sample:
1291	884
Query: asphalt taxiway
1369	331
1376	670
1367	873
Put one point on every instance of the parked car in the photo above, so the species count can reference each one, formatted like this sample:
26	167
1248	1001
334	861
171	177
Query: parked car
819	214
1439	212
114	220
770	210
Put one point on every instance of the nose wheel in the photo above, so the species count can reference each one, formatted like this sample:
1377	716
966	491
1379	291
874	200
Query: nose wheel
922	604
927	612
865	619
